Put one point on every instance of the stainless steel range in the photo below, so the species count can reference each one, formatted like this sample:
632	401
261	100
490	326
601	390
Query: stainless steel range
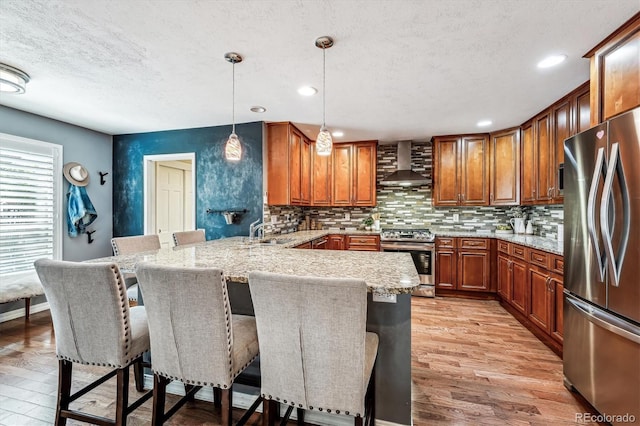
420	244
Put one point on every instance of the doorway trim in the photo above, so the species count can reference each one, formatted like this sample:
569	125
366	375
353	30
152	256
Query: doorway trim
149	174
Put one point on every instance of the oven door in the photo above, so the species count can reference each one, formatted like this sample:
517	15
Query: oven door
422	255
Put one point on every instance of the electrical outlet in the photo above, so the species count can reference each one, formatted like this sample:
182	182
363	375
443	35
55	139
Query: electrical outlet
347	216
384	298
456	217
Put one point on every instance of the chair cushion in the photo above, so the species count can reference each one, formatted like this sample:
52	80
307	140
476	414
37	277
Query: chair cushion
139	330
245	342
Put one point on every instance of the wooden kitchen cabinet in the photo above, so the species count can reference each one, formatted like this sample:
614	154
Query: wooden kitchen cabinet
542	147
512	279
473	270
504	168
461	170
540	298
321	177
288	165
556	322
503	276
463	264
320	243
306	245
362	242
354	172
615	72
336	242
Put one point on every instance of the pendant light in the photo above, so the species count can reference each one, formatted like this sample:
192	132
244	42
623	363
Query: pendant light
233	148
324	143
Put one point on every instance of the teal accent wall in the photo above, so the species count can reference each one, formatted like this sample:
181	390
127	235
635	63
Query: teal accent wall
220	185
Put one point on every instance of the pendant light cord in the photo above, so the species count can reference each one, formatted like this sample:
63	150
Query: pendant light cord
233	100
324	85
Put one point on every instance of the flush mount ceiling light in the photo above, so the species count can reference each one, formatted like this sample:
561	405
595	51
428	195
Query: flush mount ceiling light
551	61
484	123
337	133
233	149
259	109
13	80
307	91
324	143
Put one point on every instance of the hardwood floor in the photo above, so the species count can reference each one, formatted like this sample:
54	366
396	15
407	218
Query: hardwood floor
472	363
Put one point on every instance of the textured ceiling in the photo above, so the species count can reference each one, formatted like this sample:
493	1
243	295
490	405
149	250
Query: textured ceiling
398	69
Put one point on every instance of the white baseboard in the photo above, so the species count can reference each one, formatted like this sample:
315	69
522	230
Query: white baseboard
17	313
244	400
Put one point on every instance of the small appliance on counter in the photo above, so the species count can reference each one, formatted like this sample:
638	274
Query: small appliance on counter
420	244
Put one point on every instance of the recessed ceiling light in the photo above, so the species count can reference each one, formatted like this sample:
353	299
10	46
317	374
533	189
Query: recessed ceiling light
258	108
307	91
551	61
484	123
338	133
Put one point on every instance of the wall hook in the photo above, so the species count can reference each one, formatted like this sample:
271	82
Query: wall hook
102	175
90	240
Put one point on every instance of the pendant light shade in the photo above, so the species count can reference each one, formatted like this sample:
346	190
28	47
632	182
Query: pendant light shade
233	147
324	142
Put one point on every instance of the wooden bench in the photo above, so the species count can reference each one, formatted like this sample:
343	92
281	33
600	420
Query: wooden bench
20	287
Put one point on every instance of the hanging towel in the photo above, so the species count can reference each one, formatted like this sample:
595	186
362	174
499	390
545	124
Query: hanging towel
80	211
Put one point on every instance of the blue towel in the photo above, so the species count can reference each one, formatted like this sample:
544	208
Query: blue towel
80	211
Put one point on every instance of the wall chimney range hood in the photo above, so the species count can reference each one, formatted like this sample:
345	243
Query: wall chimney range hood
404	176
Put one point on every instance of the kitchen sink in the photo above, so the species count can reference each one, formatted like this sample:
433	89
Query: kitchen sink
276	241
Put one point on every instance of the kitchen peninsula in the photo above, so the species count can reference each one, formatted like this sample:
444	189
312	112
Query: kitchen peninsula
385	273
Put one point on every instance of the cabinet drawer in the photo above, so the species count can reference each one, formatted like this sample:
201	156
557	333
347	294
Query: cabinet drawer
557	264
503	246
445	242
473	243
517	251
539	258
363	242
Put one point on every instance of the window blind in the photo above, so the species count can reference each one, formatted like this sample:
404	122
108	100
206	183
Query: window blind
29	207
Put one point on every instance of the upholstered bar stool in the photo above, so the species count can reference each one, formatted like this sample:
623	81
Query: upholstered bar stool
315	353
195	338
189	237
131	245
93	325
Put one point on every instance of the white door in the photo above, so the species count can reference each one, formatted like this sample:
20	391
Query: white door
170	195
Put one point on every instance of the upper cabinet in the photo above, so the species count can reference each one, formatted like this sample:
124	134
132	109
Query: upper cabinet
296	175
288	165
354	174
461	170
504	168
542	146
615	72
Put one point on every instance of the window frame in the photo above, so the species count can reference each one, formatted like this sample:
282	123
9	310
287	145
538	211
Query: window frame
35	146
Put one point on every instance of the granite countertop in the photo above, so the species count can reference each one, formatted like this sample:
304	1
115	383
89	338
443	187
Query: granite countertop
532	241
384	272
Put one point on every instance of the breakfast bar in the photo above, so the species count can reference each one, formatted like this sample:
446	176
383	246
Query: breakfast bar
390	278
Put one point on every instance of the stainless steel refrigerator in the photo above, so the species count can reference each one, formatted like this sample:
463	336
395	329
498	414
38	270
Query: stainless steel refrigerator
602	266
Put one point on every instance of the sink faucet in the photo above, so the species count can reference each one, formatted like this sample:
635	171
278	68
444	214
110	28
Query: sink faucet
254	227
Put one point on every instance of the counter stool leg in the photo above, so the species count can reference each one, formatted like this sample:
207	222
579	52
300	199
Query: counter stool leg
227	406
300	413
64	390
122	398
217	397
159	394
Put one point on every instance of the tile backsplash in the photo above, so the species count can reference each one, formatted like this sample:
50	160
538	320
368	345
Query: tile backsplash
412	207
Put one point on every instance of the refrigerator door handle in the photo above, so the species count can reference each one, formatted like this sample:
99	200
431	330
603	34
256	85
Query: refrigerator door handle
614	170
599	171
603	319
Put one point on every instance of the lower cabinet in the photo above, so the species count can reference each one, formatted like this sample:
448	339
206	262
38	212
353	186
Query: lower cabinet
362	242
463	264
530	282
336	242
320	243
344	242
